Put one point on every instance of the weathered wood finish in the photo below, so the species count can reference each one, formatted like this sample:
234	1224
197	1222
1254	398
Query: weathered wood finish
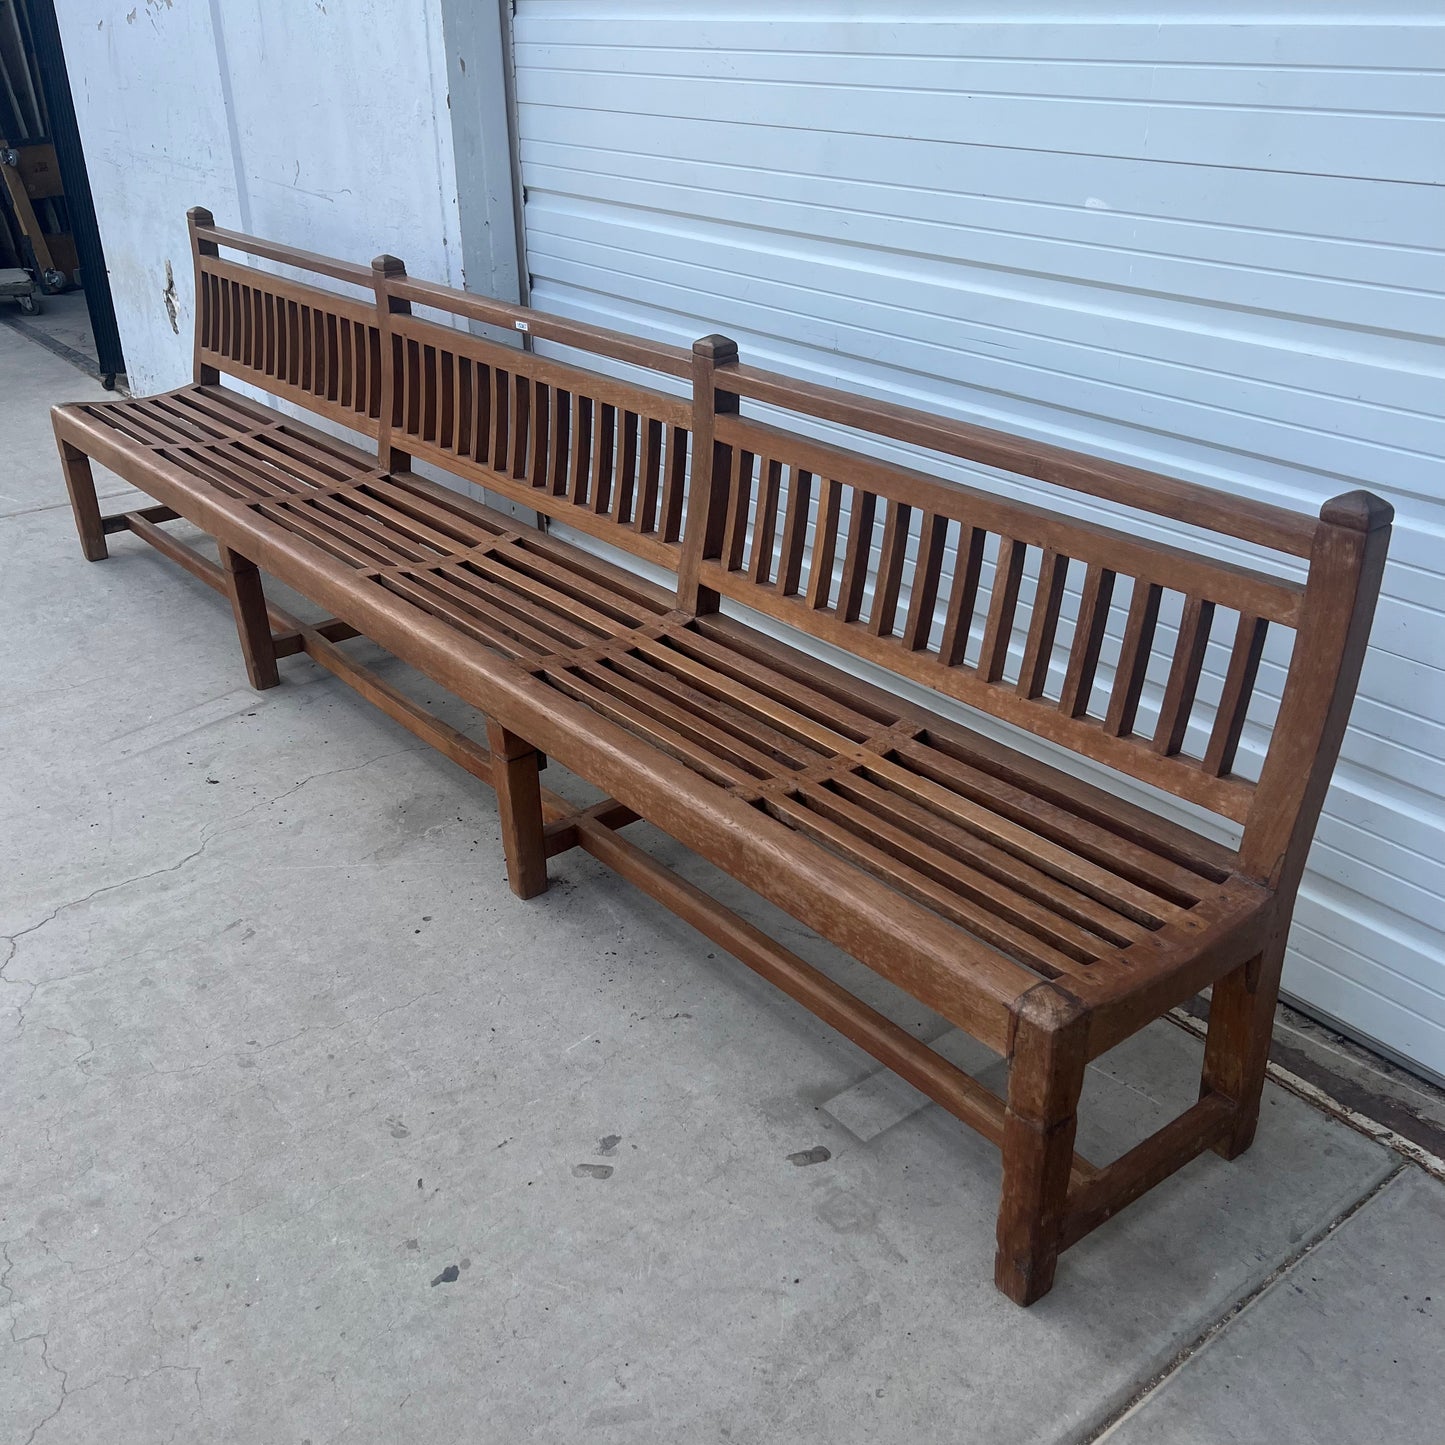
313	347
608	457
851	524
1044	915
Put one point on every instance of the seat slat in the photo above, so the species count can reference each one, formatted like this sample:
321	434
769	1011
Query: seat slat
706	730
544	633
553	630
735	718
675	744
508	569
838	723
1016	873
1089	856
463	620
983	895
1049	962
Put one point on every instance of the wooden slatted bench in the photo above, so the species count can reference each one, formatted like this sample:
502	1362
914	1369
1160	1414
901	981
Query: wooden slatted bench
1047	916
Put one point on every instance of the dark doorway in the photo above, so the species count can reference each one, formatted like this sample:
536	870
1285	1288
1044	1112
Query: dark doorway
47	216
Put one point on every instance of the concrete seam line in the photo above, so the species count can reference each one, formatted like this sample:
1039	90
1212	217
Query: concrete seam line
77	359
1145	1391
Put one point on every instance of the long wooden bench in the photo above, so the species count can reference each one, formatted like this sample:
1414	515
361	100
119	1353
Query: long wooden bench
1047	916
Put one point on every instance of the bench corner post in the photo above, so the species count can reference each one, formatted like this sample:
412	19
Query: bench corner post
1047	1057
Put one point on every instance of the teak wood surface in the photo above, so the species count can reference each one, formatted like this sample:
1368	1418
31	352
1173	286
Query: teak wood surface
1047	916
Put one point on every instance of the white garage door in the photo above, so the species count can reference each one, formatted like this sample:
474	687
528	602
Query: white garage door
1210	246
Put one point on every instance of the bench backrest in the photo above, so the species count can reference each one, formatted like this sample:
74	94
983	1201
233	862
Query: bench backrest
314	347
607	456
965	591
1058	625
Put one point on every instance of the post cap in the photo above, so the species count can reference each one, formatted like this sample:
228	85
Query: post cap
1049	1007
716	348
200	216
389	265
1360	511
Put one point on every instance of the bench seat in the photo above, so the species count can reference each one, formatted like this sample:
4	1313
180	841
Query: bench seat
1017	871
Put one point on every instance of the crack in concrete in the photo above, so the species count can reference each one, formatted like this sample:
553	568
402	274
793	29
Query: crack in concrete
226	826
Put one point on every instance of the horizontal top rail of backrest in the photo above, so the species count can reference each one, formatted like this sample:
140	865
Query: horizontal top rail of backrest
349	271
303	343
1277	528
599	453
543	326
1122	648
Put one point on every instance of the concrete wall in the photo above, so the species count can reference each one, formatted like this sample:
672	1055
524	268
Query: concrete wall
322	123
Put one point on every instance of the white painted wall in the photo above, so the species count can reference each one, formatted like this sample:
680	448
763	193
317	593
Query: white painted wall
1206	240
322	123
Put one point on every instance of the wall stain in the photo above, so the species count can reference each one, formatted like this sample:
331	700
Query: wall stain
169	297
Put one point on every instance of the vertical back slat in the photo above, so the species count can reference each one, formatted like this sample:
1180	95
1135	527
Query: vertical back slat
268	321
603	448
346	348
1043	623
1229	718
482	429
890	569
281	324
466	405
674	488
825	545
416	389
580	461
765	525
740	466
962	596
795	530
624	486
1088	641
361	382
923	598
333	355
537	472
447	385
521	423
861	517
501	418
429	393
308	349
561	442
1133	659
649	478
1002	604
1183	675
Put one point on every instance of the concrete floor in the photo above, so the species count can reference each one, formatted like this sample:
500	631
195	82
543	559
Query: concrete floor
309	1123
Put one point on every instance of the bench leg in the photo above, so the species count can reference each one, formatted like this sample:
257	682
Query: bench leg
1046	1076
248	602
519	803
1236	1051
81	486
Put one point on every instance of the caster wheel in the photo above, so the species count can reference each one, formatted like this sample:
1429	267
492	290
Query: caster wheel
30	305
